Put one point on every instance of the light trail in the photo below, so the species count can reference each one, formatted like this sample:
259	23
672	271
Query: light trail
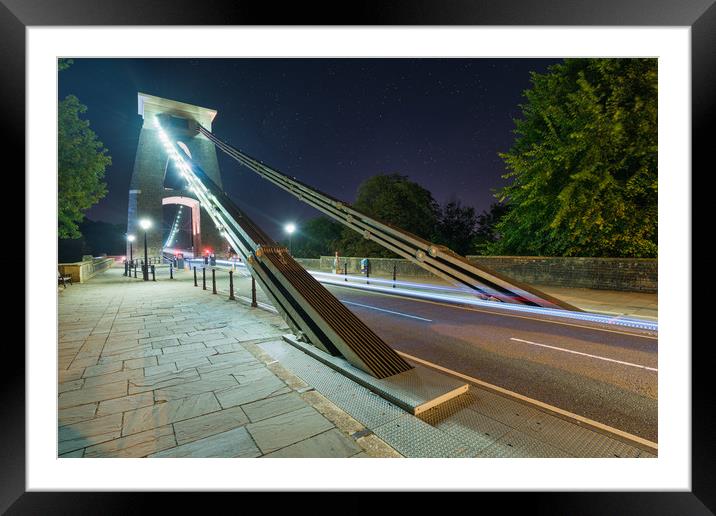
387	311
562	314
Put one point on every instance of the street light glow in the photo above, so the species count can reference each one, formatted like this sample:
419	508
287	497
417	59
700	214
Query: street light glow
130	238
145	224
290	228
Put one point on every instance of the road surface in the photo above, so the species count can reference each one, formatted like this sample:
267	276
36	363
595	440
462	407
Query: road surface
605	374
608	374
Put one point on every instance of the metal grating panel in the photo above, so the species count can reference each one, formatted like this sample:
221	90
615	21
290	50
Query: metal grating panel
576	440
324	379
519	444
365	406
362	404
473	428
414	391
415	438
502	409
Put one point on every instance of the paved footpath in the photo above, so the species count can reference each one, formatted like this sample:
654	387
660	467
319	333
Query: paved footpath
165	369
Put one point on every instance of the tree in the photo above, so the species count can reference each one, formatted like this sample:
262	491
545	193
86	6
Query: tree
64	64
583	167
104	237
316	237
82	162
396	200
96	238
486	234
457	227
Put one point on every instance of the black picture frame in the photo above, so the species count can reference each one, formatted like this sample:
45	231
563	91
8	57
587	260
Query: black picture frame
699	15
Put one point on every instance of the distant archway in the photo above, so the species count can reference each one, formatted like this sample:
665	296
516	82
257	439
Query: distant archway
195	207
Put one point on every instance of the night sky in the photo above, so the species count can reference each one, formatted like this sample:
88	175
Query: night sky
331	123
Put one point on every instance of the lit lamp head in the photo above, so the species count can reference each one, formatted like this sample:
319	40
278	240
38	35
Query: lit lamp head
145	224
290	228
130	238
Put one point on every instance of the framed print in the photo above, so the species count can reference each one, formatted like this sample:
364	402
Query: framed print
419	115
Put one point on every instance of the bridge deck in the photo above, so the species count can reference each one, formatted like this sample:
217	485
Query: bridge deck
169	370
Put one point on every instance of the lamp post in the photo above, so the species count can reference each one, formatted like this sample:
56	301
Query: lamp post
290	228
127	272
130	239
145	225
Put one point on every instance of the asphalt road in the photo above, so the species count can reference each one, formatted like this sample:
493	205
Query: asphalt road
613	380
607	374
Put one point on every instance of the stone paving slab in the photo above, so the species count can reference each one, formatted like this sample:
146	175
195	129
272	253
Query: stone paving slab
163	369
136	445
78	414
254	391
125	403
275	406
232	443
280	431
209	424
329	444
80	435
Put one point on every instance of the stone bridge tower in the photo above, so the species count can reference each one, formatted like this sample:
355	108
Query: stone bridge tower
151	188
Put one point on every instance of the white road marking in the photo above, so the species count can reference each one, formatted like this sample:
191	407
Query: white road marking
585	354
388	311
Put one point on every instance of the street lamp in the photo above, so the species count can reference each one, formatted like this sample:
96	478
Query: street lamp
130	239
145	224
290	228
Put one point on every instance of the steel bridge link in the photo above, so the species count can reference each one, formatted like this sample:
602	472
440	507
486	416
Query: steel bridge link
362	346
307	306
361	226
437	259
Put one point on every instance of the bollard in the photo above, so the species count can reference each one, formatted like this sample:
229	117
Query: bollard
394	265
203	278
345	270
213	280
171	272
253	292
195	283
231	285
153	277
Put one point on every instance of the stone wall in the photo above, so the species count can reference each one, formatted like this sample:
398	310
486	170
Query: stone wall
82	271
312	264
626	274
378	266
